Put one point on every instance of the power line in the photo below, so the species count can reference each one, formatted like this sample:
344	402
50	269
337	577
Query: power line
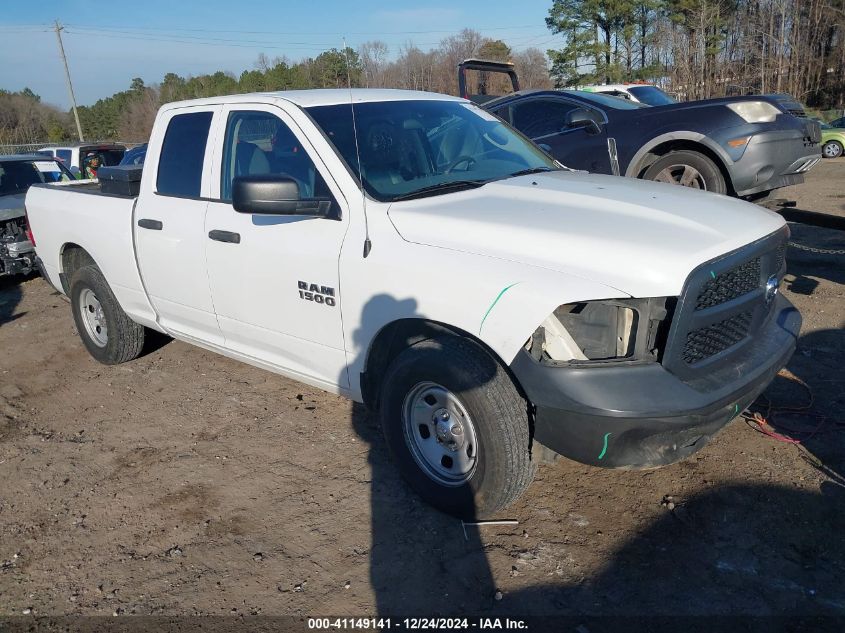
197	43
331	33
252	44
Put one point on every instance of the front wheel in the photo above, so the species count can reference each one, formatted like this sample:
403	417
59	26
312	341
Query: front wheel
688	169
832	149
108	334
456	427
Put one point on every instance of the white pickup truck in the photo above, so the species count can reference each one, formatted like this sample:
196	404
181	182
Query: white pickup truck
412	252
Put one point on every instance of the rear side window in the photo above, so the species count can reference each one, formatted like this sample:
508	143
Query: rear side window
64	155
182	153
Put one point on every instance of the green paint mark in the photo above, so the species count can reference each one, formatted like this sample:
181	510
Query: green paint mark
712	274
493	305
604	449
736	408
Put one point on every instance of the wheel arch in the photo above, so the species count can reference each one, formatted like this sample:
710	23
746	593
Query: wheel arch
72	257
398	335
676	141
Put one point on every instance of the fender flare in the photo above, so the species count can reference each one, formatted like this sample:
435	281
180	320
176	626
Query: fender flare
681	135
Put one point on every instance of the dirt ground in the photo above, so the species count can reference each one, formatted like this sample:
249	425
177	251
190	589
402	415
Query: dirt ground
184	483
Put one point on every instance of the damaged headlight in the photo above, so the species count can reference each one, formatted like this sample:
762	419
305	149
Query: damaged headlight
755	111
608	330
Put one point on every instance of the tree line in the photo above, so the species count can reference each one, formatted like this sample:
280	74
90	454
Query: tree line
705	48
24	119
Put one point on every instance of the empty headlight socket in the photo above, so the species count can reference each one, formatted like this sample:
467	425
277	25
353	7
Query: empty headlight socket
608	331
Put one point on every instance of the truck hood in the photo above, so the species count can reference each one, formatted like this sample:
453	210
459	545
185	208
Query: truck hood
640	238
11	206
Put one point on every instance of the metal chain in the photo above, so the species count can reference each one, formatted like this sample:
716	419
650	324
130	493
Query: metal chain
822	251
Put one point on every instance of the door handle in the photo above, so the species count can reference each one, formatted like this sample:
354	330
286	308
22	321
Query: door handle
225	236
153	225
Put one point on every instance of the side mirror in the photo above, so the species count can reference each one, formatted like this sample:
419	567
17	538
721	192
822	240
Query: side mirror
583	118
275	195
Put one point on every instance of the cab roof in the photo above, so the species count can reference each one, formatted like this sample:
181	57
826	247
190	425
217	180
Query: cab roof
320	97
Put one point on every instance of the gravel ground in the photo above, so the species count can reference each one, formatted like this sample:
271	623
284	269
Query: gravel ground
185	483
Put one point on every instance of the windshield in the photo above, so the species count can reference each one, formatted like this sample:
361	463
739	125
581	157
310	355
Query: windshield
107	157
18	176
608	101
426	147
651	95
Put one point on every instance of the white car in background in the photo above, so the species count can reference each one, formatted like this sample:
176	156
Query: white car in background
637	92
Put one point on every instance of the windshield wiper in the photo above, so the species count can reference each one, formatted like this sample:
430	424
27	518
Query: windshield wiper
530	170
443	187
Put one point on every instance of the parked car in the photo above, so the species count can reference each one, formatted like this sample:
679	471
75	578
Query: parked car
742	146
833	141
426	259
135	155
18	173
74	155
637	92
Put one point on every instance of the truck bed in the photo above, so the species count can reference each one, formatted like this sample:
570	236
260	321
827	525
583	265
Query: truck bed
100	223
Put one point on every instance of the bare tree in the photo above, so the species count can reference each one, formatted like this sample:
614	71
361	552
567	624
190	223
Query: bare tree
374	61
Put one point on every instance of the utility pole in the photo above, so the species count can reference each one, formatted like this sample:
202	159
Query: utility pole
69	84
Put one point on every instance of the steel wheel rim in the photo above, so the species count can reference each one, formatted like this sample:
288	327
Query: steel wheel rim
831	150
440	434
93	317
684	175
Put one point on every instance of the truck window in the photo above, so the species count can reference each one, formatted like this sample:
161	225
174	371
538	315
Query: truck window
541	117
259	143
64	155
182	154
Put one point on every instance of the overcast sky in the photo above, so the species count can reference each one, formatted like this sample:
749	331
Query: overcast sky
108	43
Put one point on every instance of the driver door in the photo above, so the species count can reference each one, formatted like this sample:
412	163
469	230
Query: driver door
274	278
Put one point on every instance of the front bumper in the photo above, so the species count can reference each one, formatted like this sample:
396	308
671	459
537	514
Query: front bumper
639	415
774	159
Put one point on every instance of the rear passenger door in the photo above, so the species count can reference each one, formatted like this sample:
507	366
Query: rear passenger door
169	224
543	120
274	278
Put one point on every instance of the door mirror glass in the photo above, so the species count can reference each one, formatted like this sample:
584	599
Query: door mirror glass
270	194
583	118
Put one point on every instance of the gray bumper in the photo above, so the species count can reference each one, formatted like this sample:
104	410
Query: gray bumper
774	159
640	415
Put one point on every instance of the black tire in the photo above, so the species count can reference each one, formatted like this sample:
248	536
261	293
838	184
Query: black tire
498	413
124	337
832	149
672	166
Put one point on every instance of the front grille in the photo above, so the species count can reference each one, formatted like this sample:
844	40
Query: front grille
780	257
712	339
722	307
729	285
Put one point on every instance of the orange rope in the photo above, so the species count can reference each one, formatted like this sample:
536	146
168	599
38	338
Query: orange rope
760	421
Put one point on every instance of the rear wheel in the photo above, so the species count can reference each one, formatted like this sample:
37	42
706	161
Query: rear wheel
456	426
832	149
688	169
108	334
